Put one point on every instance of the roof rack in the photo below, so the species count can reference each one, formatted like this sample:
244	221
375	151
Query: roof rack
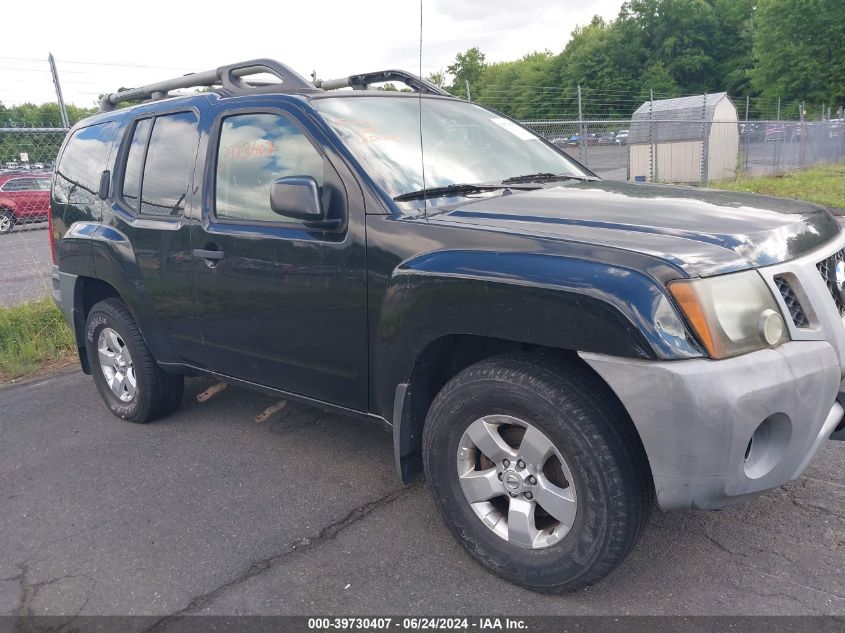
362	82
229	77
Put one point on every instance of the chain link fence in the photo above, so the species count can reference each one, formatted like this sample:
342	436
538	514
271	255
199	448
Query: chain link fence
27	159
699	139
711	151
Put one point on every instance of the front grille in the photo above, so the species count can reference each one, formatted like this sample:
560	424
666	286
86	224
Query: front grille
796	310
827	269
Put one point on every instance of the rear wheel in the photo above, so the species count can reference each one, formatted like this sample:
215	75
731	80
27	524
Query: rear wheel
127	376
537	471
7	222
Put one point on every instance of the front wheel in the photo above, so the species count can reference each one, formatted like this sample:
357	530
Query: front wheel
128	378
537	471
7	222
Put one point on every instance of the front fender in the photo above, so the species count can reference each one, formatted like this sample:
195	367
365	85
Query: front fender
532	298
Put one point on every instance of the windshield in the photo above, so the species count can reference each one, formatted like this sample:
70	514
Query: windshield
462	142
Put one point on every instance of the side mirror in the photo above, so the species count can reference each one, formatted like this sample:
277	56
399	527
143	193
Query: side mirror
299	197
105	180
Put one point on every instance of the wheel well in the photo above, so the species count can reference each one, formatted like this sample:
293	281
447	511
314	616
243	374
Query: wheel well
89	291
92	291
435	366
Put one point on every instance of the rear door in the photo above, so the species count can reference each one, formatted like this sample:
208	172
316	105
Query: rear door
281	305
153	175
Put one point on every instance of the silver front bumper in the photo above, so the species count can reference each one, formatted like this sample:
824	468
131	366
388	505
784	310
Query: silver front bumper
696	418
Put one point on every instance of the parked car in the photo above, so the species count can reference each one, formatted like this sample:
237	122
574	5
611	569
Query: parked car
622	137
559	141
24	198
606	138
556	352
591	139
774	132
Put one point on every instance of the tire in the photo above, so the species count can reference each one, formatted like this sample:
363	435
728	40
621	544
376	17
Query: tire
129	380
596	478
7	222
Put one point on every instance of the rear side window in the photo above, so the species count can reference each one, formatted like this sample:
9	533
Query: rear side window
84	159
159	162
255	150
170	159
135	163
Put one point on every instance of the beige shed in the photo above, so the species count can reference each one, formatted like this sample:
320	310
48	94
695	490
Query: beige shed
685	140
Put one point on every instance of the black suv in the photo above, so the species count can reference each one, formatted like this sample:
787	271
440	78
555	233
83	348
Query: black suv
555	352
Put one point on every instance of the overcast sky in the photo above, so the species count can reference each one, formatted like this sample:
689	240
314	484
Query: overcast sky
335	38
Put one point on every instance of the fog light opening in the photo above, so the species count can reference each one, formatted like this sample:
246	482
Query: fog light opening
767	445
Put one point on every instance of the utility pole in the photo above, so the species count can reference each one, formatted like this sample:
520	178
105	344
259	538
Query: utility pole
803	128
777	136
54	72
653	161
581	151
469	95
747	133
704	153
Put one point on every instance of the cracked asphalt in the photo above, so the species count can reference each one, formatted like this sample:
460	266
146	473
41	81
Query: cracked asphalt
210	512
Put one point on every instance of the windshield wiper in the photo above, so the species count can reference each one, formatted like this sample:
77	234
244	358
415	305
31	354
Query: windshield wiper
541	177
447	190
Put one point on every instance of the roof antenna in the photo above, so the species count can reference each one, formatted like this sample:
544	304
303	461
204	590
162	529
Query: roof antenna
419	97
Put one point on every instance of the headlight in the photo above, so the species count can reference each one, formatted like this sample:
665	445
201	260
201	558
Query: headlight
731	314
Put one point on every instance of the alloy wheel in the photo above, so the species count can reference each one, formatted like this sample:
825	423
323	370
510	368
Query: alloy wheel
516	481
116	364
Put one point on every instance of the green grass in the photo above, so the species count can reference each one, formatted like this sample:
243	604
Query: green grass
32	336
823	185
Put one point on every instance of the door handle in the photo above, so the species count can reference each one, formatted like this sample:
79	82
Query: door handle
208	255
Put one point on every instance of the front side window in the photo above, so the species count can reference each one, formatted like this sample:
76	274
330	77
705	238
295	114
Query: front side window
254	150
168	165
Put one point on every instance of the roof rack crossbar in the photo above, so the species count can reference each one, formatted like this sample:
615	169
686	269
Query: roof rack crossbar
363	81
230	77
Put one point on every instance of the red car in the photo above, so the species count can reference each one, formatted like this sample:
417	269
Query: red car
24	198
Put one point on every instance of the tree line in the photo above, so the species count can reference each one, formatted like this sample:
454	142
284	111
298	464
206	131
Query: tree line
792	50
768	50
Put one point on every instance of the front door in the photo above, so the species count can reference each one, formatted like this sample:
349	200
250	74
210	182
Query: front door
278	304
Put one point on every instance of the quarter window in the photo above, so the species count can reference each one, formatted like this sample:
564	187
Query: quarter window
167	168
254	150
83	160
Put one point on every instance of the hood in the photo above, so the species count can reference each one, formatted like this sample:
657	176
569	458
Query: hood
701	231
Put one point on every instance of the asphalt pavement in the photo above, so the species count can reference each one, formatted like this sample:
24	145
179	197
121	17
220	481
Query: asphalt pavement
211	512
